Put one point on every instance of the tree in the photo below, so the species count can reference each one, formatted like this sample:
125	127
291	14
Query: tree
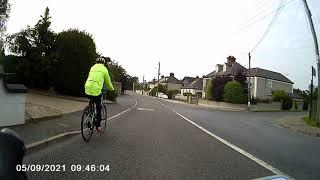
76	53
35	46
4	16
234	93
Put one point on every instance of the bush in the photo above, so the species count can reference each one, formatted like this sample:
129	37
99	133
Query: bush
153	91
234	93
209	90
286	103
187	94
254	101
218	84
278	95
111	95
76	54
171	93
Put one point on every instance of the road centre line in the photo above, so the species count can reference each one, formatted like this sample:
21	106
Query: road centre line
234	147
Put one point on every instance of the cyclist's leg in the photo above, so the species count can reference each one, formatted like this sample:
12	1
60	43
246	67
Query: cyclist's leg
97	100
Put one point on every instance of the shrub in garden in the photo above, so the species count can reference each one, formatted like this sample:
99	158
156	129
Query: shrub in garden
112	95
234	93
286	103
278	95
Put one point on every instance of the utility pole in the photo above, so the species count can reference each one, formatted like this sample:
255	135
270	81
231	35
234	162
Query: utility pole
249	83
311	92
143	84
158	80
315	41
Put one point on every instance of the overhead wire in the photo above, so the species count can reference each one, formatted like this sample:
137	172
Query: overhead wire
274	19
267	15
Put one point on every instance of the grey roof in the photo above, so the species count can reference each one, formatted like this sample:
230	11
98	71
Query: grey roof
196	84
258	72
173	80
295	96
212	74
189	80
235	69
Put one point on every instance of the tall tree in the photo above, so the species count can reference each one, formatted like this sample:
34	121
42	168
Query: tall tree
35	46
4	16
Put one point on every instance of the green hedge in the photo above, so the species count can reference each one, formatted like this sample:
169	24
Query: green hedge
111	95
76	54
286	103
234	93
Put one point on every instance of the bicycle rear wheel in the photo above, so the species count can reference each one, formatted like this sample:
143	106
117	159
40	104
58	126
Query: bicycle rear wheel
104	117
87	126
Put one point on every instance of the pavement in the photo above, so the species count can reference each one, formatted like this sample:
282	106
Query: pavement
40	130
297	124
148	142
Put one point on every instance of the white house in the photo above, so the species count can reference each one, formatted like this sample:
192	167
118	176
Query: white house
194	87
263	81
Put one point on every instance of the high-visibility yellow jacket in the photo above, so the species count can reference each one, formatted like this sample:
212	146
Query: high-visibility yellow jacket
97	76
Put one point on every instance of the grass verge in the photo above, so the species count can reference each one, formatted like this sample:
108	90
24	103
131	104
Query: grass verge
311	122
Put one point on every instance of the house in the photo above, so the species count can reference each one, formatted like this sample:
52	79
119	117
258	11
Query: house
171	82
187	80
230	68
263	81
194	87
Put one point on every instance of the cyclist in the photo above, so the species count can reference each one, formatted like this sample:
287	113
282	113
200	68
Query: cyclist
98	76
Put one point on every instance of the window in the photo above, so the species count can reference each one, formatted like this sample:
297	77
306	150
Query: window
269	83
269	87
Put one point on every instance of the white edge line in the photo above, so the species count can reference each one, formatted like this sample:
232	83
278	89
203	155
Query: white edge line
241	151
28	146
124	110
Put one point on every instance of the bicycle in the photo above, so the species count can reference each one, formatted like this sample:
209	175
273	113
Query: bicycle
89	116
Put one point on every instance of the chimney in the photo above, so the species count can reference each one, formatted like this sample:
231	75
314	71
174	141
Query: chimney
171	74
219	68
231	60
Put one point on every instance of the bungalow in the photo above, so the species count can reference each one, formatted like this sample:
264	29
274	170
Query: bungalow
194	87
171	82
263	81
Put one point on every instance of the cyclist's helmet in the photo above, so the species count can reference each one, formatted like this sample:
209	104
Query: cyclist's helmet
100	60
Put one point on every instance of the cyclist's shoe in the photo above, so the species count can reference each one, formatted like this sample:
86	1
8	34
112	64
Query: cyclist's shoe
99	129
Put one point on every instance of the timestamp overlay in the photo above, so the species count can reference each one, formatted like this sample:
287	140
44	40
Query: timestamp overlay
63	168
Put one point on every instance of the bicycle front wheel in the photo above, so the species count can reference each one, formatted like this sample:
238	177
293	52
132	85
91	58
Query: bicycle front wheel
87	124
104	117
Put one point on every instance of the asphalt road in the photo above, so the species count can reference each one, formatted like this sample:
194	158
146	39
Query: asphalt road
150	143
295	154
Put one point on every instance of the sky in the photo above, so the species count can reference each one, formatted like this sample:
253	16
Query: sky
188	37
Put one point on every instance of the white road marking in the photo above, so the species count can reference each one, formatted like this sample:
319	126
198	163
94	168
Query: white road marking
241	151
144	109
124	110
